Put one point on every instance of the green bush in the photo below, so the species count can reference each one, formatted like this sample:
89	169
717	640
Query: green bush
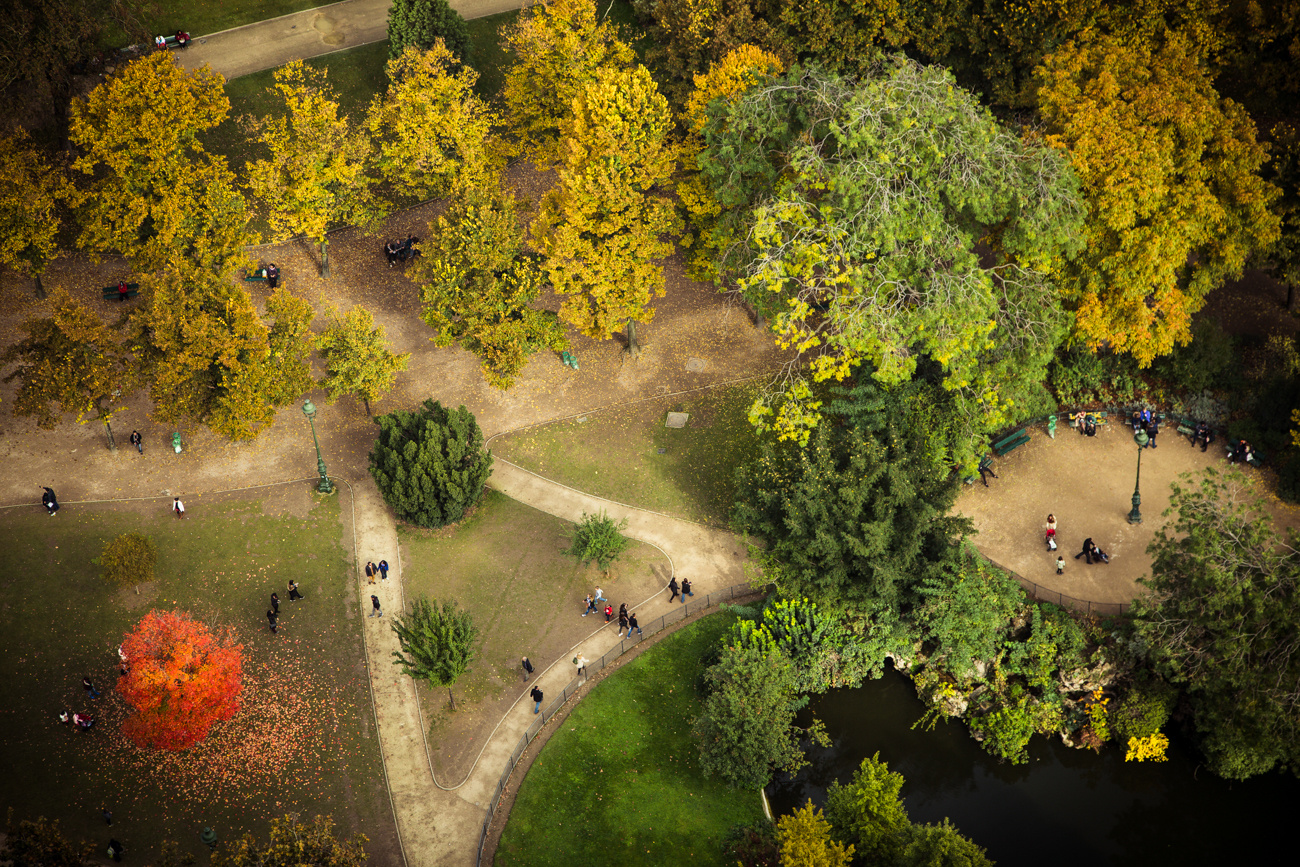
419	22
1143	711
437	641
966	614
599	538
1077	376
1055	644
430	465
128	560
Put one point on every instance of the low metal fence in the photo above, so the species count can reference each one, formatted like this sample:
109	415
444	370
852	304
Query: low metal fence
679	612
1053	597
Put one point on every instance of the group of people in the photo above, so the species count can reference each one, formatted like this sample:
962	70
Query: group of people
182	40
401	251
1146	420
273	613
1090	549
1242	453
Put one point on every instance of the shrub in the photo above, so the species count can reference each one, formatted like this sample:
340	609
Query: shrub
1076	376
752	846
1200	364
420	22
128	560
812	640
967	612
430	465
599	538
1143	711
1005	731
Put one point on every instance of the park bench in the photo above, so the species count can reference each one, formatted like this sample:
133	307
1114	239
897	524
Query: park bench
1076	418
170	42
111	293
1010	442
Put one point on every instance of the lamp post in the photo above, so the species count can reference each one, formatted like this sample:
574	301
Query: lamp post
1135	516
325	486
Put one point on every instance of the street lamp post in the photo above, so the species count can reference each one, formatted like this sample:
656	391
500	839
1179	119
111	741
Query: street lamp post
1135	516
325	486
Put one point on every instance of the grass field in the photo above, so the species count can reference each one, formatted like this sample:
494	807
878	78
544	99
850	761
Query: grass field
616	453
505	564
620	782
304	738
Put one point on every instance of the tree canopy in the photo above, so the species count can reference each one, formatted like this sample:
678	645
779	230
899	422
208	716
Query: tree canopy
30	191
421	24
438	642
294	843
358	357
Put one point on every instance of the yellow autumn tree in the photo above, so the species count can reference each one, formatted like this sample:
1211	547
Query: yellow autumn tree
431	132
151	192
1170	174
316	176
736	73
805	840
600	229
30	189
560	47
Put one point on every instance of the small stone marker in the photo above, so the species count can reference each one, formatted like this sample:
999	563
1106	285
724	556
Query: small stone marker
660	451
677	419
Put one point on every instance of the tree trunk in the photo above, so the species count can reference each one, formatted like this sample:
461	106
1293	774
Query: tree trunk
40	287
451	698
112	446
366	401
633	345
325	259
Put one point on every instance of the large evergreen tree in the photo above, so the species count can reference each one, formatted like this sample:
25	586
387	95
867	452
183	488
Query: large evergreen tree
422	23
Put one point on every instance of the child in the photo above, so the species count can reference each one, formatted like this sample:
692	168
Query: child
1060	565
1051	528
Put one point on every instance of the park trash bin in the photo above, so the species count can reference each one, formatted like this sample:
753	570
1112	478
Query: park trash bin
176	442
1051	426
569	359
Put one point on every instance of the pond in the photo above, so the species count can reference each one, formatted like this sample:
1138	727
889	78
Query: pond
1064	807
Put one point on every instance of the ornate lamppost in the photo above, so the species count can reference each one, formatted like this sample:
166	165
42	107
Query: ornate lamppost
325	486
1135	516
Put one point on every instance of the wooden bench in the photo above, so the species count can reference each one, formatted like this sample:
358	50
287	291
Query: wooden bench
1010	442
111	293
170	42
255	274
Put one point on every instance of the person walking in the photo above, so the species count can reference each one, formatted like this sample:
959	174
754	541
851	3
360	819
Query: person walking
986	468
51	501
527	667
89	687
272	617
383	570
632	624
609	612
275	604
272	276
294	595
375	610
108	816
114	849
581	662
178	508
1152	428
370	573
672	586
1087	550
600	595
686	589
1060	565
622	618
536	696
588	605
1050	528
137	441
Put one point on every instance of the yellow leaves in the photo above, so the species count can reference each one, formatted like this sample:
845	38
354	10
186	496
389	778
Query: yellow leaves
1148	749
806	840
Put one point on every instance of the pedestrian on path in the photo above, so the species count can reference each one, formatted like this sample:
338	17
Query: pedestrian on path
370	573
89	687
51	501
294	595
1050	528
581	662
588	605
375	610
114	849
108	817
383	569
609	612
632	624
275	604
622	618
272	617
986	469
137	441
178	508
1087	550
672	585
600	595
536	696
686	589
1152	429
1060	565
527	667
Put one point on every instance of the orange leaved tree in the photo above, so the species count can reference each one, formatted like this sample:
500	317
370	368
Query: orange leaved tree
182	679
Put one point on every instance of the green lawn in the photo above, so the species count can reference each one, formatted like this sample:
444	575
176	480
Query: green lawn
615	453
304	738
205	17
505	564
620	782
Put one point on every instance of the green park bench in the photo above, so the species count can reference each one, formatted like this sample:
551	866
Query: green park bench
1010	442
255	274
111	293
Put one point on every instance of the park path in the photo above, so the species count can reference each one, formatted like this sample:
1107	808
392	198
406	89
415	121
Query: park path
309	33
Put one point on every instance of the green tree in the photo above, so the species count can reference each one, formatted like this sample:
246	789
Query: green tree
420	24
357	357
559	48
1220	622
73	361
294	843
437	641
430	465
478	286
1171	176
868	812
30	190
432	133
1283	171
691	37
891	220
598	537
316	175
289	344
128	560
805	839
966	612
600	228
40	844
746	728
152	192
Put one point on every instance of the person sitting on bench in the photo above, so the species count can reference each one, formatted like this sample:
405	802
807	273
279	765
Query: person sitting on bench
182	39
272	276
1241	452
1089	425
123	290
1202	435
160	42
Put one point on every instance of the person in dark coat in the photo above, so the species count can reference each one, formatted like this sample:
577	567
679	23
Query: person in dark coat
527	667
272	276
294	595
536	695
686	589
1203	435
137	441
672	586
51	501
89	687
622	618
271	618
1152	428
370	572
632	624
275	604
1087	550
375	609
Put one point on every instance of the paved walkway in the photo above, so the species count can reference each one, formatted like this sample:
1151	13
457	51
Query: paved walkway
310	33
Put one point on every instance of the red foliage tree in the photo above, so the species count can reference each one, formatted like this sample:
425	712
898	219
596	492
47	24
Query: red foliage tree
182	680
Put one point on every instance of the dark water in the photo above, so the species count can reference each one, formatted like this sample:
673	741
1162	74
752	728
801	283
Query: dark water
1065	806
